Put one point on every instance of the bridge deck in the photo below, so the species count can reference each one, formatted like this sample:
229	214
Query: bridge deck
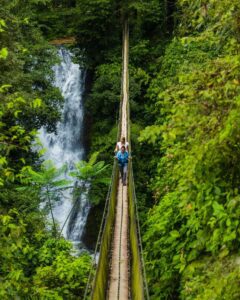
118	279
118	288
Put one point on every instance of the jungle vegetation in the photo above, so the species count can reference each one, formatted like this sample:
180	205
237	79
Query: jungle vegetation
185	115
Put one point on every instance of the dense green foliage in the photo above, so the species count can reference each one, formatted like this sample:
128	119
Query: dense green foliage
93	174
34	264
184	96
193	232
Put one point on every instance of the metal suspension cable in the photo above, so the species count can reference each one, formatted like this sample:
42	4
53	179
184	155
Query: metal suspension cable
99	238
104	217
137	220
140	239
146	292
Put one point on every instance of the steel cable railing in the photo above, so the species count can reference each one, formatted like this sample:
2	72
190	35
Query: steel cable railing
98	279
139	287
138	272
88	288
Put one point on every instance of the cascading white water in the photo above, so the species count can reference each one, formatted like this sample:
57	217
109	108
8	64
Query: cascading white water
66	146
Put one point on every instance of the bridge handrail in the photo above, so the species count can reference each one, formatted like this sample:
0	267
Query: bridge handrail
138	283
139	287
92	273
103	245
104	239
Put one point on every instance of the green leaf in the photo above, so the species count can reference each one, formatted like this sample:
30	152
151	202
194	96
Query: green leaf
223	253
3	53
16	113
37	103
2	25
5	87
175	234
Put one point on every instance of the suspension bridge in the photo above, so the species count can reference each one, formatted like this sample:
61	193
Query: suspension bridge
119	273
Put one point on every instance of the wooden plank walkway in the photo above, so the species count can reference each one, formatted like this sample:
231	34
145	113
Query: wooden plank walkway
118	279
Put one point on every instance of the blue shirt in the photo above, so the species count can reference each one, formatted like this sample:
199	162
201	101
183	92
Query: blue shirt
122	158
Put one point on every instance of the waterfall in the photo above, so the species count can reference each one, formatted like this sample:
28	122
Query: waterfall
66	146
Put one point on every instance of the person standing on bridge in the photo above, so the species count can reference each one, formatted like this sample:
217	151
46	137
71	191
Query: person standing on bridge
120	144
122	157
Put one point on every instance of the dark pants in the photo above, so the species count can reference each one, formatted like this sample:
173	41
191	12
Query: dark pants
123	172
